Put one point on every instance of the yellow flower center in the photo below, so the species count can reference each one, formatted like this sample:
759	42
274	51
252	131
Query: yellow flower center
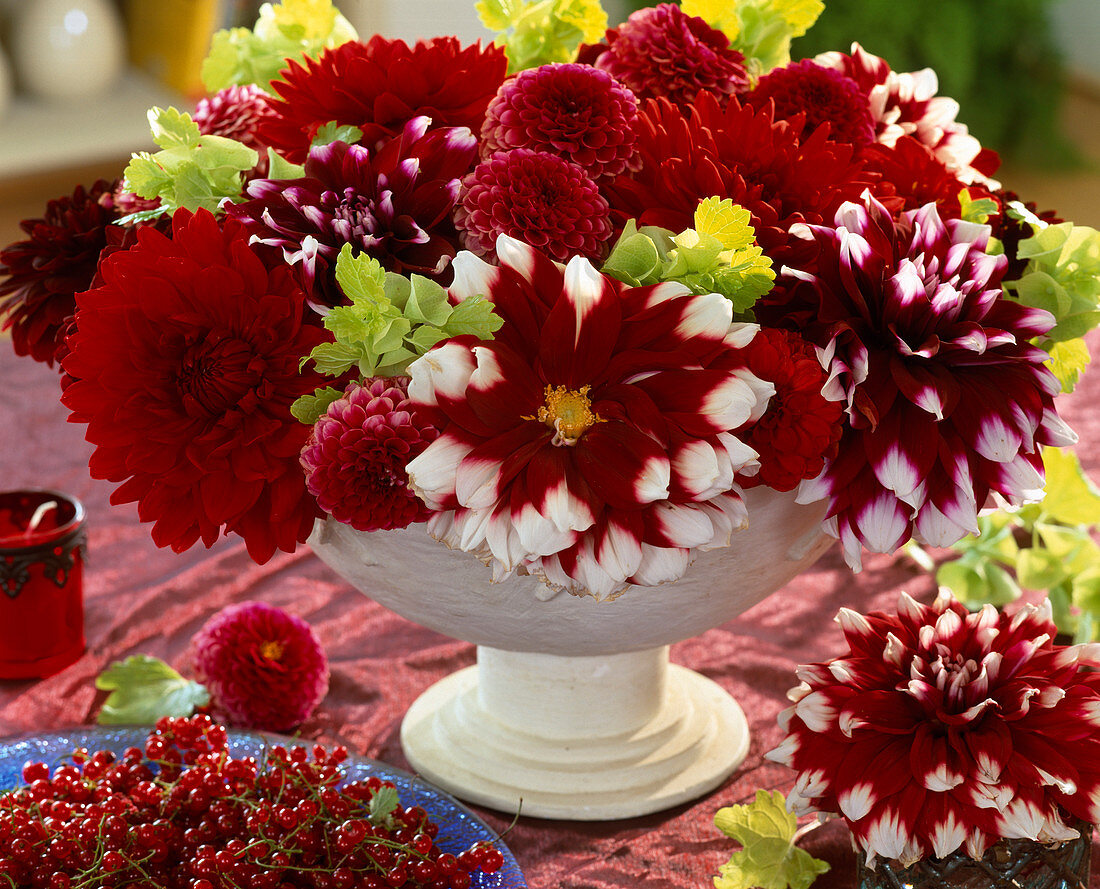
271	650
568	412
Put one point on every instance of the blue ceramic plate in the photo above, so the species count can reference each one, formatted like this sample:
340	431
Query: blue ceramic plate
459	828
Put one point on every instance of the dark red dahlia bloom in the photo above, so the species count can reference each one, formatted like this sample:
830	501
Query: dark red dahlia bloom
235	112
393	204
801	428
355	459
57	260
1010	231
380	86
947	400
574	111
975	725
910	176
185	364
737	152
822	94
264	668
538	198
661	52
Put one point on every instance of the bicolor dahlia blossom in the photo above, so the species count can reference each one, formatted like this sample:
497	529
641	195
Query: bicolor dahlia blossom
822	95
906	104
536	197
355	459
393	204
185	362
589	442
941	729
264	668
380	86
662	52
737	152
40	275
946	398
574	111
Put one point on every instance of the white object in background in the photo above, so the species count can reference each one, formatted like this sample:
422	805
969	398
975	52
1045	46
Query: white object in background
6	88
411	20
67	49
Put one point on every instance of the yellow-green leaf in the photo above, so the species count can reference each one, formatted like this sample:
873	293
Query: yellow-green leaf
728	222
1071	497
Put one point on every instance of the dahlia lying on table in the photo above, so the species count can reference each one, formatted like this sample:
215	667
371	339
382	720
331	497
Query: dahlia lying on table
562	296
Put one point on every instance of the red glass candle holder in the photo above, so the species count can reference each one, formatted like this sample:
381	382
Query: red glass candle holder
42	545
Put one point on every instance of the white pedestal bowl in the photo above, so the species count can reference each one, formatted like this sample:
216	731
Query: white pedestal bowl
573	706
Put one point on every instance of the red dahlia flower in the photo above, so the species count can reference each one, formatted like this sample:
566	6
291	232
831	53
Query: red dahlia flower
589	442
907	105
380	86
355	459
822	94
574	111
737	152
235	112
947	401
264	668
57	260
661	52
185	364
393	204
800	428
976	727
537	197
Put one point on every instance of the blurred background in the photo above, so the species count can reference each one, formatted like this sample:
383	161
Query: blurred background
77	76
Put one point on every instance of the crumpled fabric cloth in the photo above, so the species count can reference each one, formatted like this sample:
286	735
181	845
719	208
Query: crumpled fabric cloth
142	600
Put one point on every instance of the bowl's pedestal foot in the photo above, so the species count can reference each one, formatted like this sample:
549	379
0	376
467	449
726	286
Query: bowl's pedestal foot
577	738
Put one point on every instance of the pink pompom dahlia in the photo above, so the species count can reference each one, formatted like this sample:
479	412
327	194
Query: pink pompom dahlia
660	51
975	725
235	112
947	400
537	197
589	442
355	459
393	204
574	111
264	668
822	95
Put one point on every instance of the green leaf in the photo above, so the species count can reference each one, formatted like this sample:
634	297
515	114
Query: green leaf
1068	360
278	167
427	302
976	211
1039	569
334	132
761	29
635	259
383	803
474	316
334	359
769	859
538	32
309	409
143	688
172	128
361	277
1071	497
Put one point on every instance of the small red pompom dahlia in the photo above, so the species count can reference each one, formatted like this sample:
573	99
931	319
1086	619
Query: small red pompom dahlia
235	112
185	362
822	94
907	105
801	428
355	459
976	727
574	111
589	442
537	197
379	87
57	260
264	668
947	400
660	51
393	203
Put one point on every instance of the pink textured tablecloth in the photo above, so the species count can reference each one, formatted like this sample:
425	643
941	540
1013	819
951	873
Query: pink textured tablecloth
143	600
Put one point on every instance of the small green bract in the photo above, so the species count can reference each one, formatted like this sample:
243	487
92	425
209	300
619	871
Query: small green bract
143	689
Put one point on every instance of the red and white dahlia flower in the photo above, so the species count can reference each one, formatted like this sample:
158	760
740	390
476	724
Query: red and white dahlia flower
589	442
906	104
941	729
947	400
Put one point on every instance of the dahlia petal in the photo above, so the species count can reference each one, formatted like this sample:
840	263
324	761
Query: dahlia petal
598	460
433	475
817	711
857	800
660	565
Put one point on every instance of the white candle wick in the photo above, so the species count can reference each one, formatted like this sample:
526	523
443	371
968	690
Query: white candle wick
39	515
